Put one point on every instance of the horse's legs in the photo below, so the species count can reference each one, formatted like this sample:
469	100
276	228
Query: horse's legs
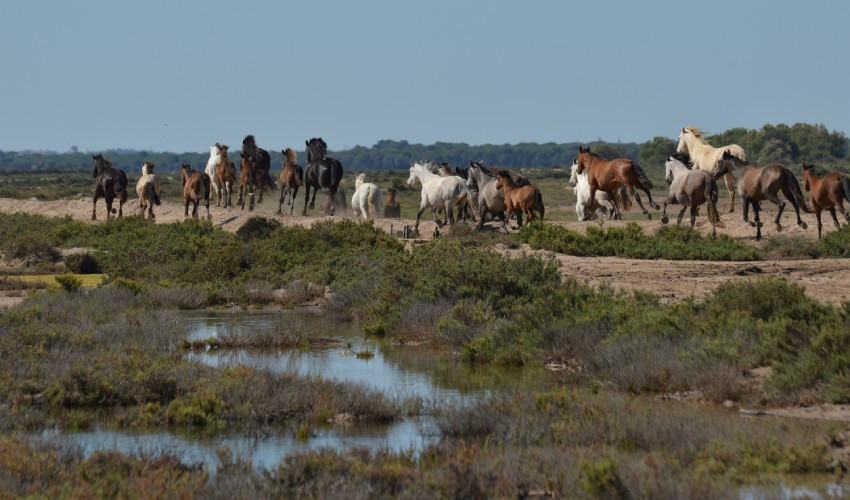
745	201
773	198
839	205
756	210
121	207
293	192
306	198
693	215
639	202
419	214
730	185
313	200
834	217
185	206
788	194
207	205
108	206
450	216
817	216
681	215
664	218
501	216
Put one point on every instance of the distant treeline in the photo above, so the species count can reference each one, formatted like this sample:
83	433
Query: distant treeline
772	143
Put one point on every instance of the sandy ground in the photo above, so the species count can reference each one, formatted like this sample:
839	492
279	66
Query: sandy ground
825	279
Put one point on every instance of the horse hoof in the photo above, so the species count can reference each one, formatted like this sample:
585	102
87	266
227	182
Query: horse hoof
778	228
804	225
648	216
758	225
664	219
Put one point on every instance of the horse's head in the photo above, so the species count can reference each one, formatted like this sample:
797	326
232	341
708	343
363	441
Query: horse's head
808	171
147	167
412	177
185	170
248	143
215	149
583	159
290	156
360	179
317	149
728	163
682	147
573	173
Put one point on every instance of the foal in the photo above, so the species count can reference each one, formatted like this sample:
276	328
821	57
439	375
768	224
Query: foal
522	200
196	186
828	193
290	179
247	182
225	176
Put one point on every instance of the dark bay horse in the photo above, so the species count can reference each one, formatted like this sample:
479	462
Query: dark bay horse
610	175
756	184
322	173
110	183
827	193
262	165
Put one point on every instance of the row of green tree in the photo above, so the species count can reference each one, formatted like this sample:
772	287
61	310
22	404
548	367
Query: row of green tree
772	143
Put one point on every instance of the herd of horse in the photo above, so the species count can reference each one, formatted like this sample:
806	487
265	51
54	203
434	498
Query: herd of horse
476	192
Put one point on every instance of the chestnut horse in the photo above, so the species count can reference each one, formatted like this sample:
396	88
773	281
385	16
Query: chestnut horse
291	176
755	184
247	181
392	210
610	175
110	183
196	186
225	176
827	193
520	199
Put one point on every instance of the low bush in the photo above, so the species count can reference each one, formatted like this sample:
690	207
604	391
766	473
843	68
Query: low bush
82	263
668	242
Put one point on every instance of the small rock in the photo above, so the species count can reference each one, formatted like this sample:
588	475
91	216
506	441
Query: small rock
728	404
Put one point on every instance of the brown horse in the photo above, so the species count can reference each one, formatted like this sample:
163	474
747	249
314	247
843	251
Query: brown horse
610	175
756	184
827	193
196	186
247	182
392	209
291	176
225	175
520	199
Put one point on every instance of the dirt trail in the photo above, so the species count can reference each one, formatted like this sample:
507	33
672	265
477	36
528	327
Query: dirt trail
825	279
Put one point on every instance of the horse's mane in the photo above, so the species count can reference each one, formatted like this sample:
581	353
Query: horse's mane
696	132
318	147
592	154
684	159
290	157
430	166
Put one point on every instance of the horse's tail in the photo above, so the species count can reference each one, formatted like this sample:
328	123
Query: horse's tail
711	201
267	181
642	178
336	175
538	203
205	186
151	193
299	176
622	199
845	183
794	188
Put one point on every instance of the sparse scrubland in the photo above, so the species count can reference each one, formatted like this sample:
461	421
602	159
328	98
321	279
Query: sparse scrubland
116	353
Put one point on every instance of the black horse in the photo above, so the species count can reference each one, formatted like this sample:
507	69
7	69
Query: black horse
322	172
261	163
111	183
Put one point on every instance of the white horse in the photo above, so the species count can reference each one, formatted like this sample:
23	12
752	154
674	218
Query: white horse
603	201
148	190
215	158
438	192
366	200
705	157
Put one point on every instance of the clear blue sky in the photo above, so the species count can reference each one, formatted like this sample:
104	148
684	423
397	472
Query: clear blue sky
178	76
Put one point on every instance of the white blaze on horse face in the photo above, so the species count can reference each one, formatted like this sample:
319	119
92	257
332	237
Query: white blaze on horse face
574	174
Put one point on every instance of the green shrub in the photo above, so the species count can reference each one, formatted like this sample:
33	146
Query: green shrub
257	228
69	282
669	242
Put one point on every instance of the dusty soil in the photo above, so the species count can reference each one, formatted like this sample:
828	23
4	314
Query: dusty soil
825	279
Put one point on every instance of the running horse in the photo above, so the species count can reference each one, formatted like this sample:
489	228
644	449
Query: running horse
827	193
291	178
196	187
755	184
110	183
262	162
705	157
322	173
610	175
